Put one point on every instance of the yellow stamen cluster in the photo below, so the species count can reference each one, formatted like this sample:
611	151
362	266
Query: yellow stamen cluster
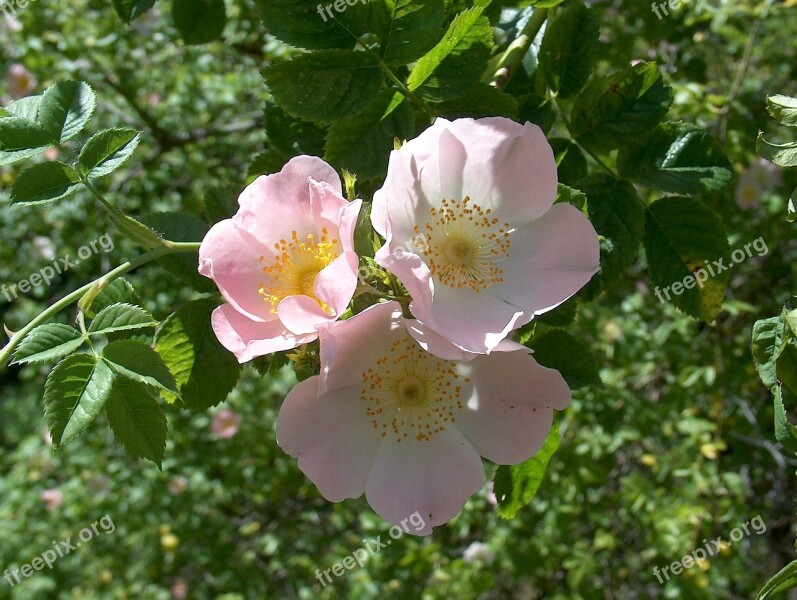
462	244
412	392
295	267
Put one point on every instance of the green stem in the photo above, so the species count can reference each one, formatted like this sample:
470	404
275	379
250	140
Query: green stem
95	192
513	56
405	90
171	248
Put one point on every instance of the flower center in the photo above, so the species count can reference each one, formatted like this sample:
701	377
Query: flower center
462	244
295	267
458	252
409	392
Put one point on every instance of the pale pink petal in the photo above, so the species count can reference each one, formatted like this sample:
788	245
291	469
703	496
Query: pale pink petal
347	222
436	344
332	437
551	259
326	204
411	185
434	478
234	265
412	272
474	322
273	206
248	339
510	413
348	348
336	283
335	213
510	167
301	314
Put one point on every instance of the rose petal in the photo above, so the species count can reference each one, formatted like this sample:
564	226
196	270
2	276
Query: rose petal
233	264
433	478
551	259
510	415
248	339
332	437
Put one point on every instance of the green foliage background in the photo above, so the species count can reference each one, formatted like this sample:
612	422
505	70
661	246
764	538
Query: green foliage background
675	446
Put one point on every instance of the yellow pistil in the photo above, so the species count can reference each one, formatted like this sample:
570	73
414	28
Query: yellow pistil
462	244
296	266
410	392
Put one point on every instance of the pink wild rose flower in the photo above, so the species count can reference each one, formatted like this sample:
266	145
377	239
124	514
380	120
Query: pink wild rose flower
407	427
225	423
20	81
285	263
472	232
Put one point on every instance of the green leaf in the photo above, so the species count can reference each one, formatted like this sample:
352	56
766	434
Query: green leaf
131	9
291	136
27	108
107	151
362	144
783	109
614	110
571	163
121	317
516	485
118	291
569	50
561	316
65	109
270	363
618	215
785	432
688	255
768	338
456	63
137	420
138	362
572	196
326	85
783	155
199	21
136	231
786	365
21	138
205	371
676	157
44	182
48	342
265	163
557	349
74	394
785	579
306	23
482	100
538	111
182	227
221	201
414	29
791	320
